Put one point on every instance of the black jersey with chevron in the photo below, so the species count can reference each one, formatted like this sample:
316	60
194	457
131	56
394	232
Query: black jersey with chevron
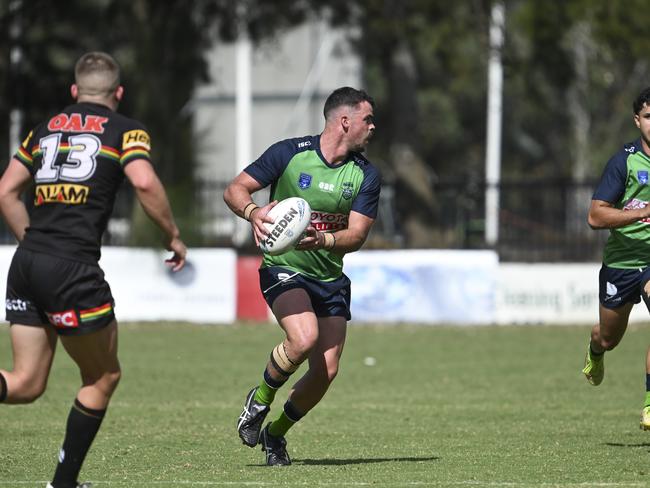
77	160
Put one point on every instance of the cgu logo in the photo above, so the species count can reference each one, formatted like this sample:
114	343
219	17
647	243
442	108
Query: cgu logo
63	320
76	123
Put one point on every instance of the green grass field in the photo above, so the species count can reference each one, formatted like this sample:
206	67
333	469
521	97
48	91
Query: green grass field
442	406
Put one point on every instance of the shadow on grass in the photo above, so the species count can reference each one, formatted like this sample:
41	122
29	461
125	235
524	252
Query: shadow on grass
341	462
618	444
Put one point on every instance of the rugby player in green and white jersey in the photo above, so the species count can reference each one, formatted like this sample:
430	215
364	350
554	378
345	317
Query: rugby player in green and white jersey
306	288
620	204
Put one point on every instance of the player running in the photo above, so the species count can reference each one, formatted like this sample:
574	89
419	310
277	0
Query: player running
620	204
306	288
77	160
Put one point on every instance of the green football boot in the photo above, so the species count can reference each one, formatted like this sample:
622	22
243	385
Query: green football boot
645	418
594	368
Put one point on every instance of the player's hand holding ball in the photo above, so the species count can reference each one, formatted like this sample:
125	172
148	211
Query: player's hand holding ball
283	225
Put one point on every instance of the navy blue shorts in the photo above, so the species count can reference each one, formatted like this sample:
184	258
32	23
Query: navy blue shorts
328	298
620	286
71	296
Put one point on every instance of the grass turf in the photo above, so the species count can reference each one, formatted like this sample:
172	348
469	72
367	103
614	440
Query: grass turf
441	406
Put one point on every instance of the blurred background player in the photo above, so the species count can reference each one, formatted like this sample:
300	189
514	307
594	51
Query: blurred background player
620	204
306	288
77	160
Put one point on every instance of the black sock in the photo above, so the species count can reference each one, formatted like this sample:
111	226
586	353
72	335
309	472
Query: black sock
3	388
594	353
83	424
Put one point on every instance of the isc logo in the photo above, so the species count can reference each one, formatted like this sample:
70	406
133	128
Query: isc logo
63	319
304	144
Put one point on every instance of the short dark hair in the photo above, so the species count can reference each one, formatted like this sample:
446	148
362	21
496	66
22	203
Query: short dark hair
641	100
97	73
346	96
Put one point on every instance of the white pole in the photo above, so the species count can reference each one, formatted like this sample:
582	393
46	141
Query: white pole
310	85
15	58
494	116
243	119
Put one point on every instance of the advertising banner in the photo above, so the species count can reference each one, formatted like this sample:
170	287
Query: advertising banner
145	289
433	286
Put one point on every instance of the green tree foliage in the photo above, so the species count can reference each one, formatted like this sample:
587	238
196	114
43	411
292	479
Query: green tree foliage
572	68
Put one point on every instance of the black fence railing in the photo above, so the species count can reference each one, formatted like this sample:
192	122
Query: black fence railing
539	221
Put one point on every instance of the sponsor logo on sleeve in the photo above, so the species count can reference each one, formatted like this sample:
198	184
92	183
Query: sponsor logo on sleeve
136	138
642	176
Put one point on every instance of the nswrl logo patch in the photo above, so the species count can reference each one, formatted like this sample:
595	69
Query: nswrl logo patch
304	181
642	176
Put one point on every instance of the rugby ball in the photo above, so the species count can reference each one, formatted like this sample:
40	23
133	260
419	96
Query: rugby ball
291	218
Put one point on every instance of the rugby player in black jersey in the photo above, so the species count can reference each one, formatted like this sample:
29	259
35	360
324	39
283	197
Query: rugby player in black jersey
77	160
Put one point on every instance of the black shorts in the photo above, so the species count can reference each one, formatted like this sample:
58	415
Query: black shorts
328	298
620	286
43	289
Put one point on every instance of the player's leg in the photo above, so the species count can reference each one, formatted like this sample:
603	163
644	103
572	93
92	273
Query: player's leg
605	336
324	360
618	291
645	413
33	351
294	312
323	367
95	354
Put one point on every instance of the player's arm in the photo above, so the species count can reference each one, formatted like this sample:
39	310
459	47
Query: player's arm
14	180
604	215
153	198
342	241
238	198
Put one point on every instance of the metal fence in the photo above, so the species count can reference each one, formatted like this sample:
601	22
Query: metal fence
539	221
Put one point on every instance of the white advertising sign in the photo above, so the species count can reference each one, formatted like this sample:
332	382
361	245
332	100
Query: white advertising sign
558	293
434	286
145	289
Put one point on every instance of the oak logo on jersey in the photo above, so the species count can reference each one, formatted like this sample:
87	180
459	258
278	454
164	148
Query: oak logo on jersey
77	123
61	193
136	138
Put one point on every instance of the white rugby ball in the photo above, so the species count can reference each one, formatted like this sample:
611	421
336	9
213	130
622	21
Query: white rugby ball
291	218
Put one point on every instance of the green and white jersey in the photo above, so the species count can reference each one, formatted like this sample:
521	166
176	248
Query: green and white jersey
625	184
297	168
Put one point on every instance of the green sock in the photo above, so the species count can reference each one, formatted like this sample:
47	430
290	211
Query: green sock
265	394
281	425
647	399
285	421
269	386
